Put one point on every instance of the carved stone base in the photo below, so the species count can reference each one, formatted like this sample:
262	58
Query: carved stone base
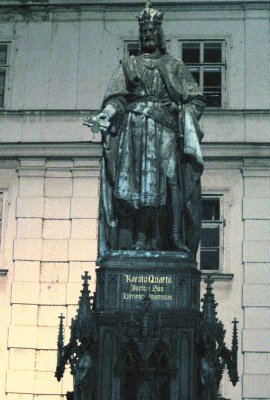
142	336
148	310
170	279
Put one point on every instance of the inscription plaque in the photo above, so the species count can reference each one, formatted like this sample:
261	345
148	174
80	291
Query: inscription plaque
159	288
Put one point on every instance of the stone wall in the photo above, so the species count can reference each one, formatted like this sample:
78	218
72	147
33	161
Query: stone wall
55	243
256	288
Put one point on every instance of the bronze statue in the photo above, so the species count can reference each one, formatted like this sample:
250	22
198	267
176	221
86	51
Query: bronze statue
150	195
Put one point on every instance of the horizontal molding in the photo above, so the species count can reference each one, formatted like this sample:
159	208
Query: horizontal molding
83	112
50	150
217	276
132	5
211	151
235	151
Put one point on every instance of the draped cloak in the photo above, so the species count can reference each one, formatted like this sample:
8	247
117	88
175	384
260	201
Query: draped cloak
154	141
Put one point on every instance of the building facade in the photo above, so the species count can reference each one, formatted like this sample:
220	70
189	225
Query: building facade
56	58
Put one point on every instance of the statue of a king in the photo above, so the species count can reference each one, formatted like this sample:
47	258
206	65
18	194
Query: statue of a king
150	196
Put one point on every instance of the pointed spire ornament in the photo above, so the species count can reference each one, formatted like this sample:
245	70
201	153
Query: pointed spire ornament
83	338
60	345
209	304
233	373
214	353
84	309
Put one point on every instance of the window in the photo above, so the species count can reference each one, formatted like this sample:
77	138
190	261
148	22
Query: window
205	60
3	71
132	48
211	247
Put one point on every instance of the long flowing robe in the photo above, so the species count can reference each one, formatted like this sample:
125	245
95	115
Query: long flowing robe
157	100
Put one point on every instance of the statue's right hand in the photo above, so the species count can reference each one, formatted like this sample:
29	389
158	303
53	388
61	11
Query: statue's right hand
103	120
98	123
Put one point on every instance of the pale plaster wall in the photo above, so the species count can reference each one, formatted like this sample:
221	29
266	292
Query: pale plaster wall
56	64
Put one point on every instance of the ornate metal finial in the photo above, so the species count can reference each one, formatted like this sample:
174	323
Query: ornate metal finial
209	282
233	373
86	277
215	354
209	304
150	15
84	309
60	345
83	338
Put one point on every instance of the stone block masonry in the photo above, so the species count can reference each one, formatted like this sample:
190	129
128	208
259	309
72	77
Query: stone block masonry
256	289
56	240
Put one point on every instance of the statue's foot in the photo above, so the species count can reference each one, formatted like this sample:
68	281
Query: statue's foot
152	245
179	245
140	244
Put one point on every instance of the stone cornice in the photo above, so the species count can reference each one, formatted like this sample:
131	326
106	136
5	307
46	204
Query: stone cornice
235	151
172	5
211	151
64	112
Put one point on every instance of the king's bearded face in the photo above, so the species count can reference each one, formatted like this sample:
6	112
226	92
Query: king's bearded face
150	38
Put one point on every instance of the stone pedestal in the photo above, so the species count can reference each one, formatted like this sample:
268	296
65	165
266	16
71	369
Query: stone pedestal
142	336
148	309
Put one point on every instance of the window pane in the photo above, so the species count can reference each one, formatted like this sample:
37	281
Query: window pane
212	52
2	78
210	259
3	53
212	97
210	209
210	236
196	74
132	49
191	53
212	86
212	77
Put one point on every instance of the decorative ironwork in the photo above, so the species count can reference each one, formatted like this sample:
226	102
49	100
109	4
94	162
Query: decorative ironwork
80	352
146	354
214	355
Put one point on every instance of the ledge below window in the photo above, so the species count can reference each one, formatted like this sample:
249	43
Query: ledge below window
3	272
217	276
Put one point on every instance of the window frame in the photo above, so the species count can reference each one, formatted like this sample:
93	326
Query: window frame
224	195
5	67
201	65
214	223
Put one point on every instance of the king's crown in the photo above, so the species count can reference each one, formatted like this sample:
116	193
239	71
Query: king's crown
150	15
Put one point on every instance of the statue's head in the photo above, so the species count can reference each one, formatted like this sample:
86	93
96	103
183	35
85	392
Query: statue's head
151	34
